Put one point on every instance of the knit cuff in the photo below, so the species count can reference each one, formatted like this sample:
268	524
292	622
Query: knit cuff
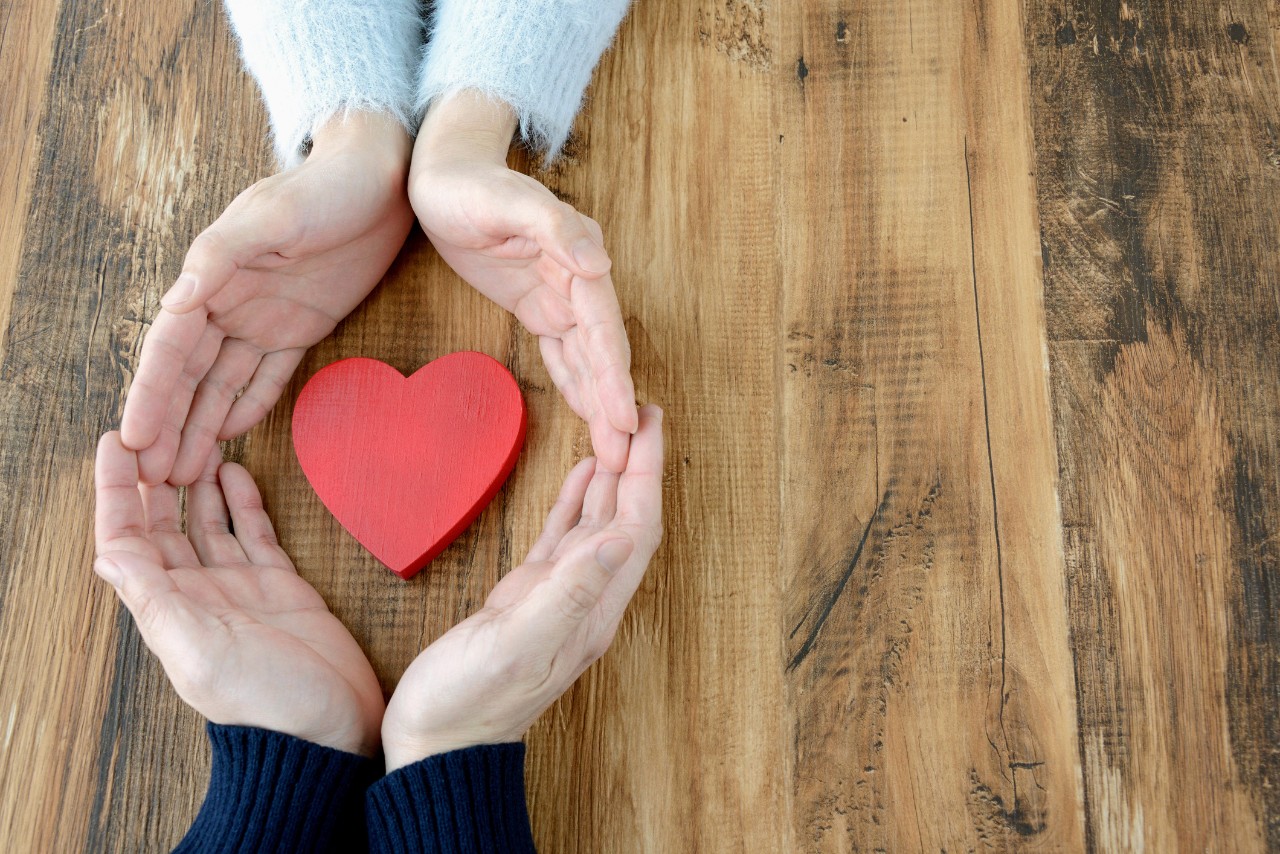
536	55
272	792
464	800
314	59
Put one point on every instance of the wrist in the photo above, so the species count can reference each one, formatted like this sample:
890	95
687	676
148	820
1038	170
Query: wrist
377	138
397	756
466	124
401	752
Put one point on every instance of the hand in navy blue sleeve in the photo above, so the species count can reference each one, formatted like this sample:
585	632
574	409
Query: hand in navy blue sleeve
244	639
486	680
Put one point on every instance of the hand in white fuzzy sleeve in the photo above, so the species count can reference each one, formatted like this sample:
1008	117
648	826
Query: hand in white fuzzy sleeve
290	257
537	257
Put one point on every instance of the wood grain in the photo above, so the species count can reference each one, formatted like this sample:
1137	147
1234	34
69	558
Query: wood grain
966	318
928	648
1158	193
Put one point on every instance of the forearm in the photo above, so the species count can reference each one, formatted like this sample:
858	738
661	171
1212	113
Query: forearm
536	56
314	59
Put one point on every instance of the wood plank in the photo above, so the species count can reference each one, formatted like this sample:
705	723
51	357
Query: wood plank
26	38
677	740
1037	717
91	729
1155	128
927	634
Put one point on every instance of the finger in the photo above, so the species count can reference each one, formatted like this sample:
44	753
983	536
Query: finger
558	607
640	487
593	228
155	462
559	229
209	521
601	501
165	617
120	523
268	383
565	512
249	518
561	233
165	351
560	372
607	350
233	368
241	234
545	309
608	442
164	527
639	513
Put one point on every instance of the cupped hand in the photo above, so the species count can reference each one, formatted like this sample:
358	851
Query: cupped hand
288	259
507	236
488	678
241	636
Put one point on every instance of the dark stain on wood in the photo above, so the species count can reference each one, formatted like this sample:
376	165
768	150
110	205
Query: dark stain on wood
1155	153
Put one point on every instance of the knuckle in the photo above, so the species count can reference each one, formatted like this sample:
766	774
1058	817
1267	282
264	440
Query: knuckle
213	527
266	539
561	216
208	242
252	502
577	597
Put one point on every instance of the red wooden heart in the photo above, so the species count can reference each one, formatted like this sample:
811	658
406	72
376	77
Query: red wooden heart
407	464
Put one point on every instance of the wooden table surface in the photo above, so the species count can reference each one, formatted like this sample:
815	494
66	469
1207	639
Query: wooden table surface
966	318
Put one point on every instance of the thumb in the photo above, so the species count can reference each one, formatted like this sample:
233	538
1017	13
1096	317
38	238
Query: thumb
559	605
240	235
148	591
573	240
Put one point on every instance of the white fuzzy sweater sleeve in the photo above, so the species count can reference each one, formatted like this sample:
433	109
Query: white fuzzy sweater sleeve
316	58
536	55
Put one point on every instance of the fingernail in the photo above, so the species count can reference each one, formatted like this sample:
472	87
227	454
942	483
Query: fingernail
591	257
613	554
109	571
180	292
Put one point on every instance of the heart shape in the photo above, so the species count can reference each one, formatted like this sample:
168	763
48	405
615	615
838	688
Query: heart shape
407	464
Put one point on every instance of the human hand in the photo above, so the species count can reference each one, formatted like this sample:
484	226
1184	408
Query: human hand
537	257
290	257
242	637
488	678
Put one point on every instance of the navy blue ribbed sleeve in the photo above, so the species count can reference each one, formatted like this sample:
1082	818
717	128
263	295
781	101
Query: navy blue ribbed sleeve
271	792
468	800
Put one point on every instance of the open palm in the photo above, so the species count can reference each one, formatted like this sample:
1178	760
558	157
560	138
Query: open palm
488	678
537	257
242	637
289	258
